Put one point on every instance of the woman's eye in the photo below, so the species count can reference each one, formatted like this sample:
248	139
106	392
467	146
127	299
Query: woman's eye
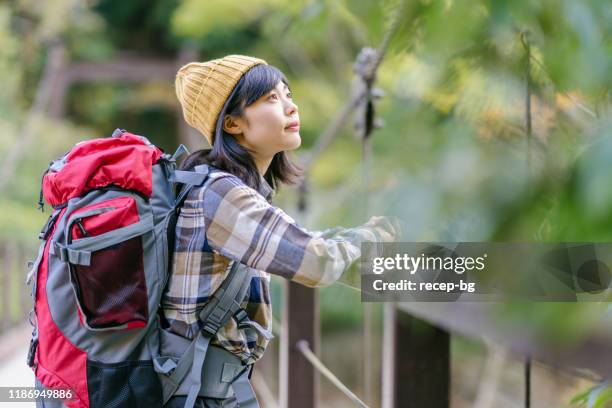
290	95
273	95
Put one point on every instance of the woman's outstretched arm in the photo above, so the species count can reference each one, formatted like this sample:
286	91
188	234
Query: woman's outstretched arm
241	224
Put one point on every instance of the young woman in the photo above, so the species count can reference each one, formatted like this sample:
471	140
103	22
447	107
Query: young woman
245	110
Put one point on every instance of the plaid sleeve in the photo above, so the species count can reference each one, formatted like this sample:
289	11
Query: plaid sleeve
240	224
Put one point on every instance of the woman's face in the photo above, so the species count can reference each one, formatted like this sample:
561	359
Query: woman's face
269	125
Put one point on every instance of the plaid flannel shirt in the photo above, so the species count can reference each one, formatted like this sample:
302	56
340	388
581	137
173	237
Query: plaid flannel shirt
240	223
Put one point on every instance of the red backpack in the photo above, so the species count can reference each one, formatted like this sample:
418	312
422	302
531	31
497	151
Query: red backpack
99	276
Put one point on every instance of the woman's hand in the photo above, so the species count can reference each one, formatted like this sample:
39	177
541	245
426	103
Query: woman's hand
390	228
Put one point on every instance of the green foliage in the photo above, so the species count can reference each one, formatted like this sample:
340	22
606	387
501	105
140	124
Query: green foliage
139	25
9	68
197	19
598	396
20	220
562	324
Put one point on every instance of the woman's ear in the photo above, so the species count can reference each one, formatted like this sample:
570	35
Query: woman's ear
232	125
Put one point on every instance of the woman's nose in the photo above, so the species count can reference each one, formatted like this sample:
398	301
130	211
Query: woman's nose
292	108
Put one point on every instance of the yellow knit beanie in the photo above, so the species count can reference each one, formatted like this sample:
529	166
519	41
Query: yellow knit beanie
202	89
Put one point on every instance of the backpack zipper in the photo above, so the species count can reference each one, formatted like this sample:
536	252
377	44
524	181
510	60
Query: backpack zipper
79	224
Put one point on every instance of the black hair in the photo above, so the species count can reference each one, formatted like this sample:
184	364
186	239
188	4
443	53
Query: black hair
227	154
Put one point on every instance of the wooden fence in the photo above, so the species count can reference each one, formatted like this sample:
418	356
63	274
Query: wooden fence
416	355
15	301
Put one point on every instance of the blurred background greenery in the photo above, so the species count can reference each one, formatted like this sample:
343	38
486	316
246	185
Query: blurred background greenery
454	159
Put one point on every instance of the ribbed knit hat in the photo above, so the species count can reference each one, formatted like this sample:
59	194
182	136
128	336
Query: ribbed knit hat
202	89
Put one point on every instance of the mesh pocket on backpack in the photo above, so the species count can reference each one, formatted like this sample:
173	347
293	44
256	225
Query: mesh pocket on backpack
110	288
125	384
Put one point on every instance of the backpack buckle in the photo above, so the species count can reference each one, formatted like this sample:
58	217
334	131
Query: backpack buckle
47	227
210	328
240	316
164	365
118	132
32	351
244	322
181	150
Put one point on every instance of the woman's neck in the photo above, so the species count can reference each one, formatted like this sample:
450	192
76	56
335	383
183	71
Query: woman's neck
262	164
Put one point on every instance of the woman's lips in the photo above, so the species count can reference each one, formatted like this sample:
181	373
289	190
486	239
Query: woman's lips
294	128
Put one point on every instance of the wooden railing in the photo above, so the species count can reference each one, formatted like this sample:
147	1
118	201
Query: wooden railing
416	356
15	301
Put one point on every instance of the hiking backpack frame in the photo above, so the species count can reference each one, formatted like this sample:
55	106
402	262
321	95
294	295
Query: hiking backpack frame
98	280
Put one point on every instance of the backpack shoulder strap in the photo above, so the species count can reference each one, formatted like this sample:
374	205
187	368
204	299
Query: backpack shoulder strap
225	302
189	179
192	178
